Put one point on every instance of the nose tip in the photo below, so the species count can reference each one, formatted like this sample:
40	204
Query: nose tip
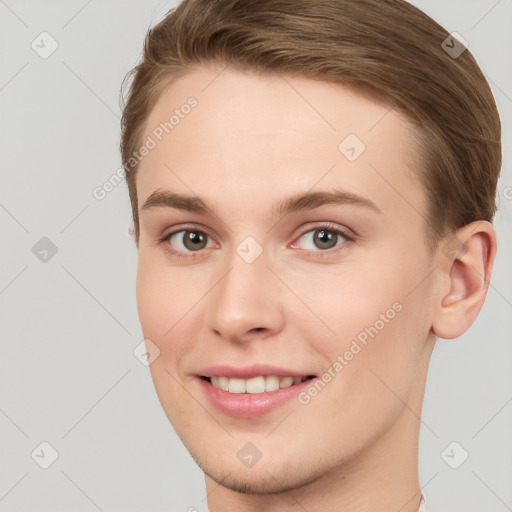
238	331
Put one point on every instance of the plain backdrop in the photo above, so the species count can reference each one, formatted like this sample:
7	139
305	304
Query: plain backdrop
68	376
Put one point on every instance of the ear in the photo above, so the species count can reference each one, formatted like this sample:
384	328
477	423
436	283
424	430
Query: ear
465	259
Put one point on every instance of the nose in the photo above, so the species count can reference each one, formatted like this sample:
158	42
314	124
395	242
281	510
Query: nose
245	304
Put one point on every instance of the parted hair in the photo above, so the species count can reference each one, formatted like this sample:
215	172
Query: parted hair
386	48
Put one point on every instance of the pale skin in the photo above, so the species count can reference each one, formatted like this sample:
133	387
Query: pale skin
251	143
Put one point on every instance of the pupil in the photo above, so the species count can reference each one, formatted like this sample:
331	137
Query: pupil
325	239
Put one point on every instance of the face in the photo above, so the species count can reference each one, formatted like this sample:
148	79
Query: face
283	241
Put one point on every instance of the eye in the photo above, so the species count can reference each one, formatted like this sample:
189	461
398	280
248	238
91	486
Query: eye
186	240
323	238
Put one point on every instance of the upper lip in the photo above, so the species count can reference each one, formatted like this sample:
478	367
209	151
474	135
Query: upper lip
247	372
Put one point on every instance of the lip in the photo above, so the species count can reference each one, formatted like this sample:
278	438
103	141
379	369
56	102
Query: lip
250	405
248	372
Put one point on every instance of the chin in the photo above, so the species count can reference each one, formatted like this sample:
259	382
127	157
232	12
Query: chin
269	478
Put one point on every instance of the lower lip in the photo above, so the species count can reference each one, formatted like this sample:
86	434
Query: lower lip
250	405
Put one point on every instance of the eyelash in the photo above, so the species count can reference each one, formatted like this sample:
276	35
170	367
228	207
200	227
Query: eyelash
319	252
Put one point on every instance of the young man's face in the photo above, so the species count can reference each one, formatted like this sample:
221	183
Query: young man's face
264	286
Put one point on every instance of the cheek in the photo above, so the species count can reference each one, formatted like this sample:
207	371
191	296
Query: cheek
161	305
371	366
377	320
168	308
150	301
348	300
160	299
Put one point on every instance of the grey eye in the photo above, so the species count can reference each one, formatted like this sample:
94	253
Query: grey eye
322	238
188	240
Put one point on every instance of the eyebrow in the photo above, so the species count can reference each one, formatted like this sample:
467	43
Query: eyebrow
300	202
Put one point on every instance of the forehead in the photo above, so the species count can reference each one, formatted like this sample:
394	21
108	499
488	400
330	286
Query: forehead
250	136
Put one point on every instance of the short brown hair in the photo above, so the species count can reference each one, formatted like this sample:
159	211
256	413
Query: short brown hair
386	46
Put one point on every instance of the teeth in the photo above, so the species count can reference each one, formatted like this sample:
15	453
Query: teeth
236	386
271	383
260	384
255	385
223	383
286	382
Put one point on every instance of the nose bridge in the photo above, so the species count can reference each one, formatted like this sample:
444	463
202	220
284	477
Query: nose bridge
247	297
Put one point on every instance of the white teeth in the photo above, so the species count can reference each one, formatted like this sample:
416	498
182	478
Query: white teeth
223	383
237	385
271	383
286	382
260	384
255	385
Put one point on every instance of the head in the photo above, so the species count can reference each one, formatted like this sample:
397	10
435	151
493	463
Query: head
242	122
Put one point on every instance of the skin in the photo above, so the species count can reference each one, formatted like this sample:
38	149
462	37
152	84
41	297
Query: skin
251	142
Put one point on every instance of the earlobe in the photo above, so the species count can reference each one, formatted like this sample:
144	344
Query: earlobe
466	260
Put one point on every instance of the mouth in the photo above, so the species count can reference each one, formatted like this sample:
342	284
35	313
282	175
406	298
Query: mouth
252	392
255	385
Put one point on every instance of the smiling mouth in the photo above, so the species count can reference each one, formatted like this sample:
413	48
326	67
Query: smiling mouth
259	384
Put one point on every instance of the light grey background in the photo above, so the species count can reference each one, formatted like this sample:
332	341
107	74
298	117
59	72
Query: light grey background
69	325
